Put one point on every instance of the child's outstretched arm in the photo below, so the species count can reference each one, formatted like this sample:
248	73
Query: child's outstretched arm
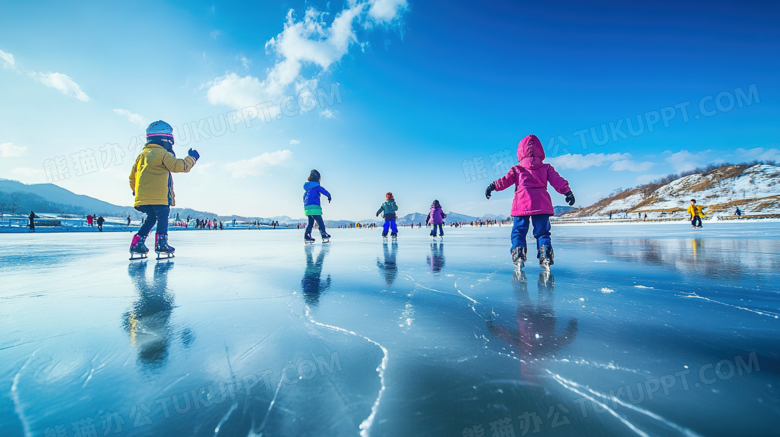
560	185
501	184
381	207
175	165
324	191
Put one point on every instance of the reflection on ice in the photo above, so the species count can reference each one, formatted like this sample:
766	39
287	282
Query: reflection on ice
535	335
727	259
148	323
388	267
313	286
436	258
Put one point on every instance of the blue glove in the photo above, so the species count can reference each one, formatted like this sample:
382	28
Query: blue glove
489	190
570	198
194	154
328	199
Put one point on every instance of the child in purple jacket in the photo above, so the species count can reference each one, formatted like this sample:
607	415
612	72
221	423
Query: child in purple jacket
532	202
436	218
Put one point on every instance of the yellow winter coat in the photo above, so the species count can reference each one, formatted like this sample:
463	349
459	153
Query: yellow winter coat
150	178
696	210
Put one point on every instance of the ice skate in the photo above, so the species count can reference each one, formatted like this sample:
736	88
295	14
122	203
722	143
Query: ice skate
546	257
307	238
394	236
164	251
138	249
518	257
325	237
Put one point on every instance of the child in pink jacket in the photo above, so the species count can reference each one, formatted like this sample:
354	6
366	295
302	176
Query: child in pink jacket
532	202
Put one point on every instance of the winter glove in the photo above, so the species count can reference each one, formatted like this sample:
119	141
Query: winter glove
489	190
328	199
377	214
194	154
570	198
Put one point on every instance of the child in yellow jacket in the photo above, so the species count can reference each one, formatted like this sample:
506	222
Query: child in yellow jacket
696	212
152	185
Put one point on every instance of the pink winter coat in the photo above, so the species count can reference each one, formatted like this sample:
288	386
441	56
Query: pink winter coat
530	179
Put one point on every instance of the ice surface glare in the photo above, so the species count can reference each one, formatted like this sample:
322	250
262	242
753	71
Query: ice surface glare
249	333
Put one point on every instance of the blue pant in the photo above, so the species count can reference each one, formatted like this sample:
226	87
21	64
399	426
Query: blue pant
155	214
696	221
320	224
541	231
389	224
441	230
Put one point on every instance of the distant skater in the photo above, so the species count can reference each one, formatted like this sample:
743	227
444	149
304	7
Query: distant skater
738	213
312	207
100	221
32	218
128	220
696	212
532	202
388	209
436	218
151	180
89	220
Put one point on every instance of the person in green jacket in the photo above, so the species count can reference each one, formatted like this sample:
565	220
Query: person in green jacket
389	209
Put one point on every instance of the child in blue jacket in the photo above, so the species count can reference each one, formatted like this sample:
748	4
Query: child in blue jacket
312	207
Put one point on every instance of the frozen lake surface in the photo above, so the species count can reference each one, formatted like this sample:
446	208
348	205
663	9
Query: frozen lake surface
649	330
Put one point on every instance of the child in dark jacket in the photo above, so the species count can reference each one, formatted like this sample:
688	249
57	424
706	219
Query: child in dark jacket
389	209
532	203
436	218
312	207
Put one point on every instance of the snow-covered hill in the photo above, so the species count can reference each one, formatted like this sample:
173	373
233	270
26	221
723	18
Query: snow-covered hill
754	189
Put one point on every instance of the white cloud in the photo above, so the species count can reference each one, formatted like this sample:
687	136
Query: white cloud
237	92
257	165
327	113
629	165
581	162
8	60
758	153
29	172
133	118
308	42
246	62
295	142
8	150
215	33
685	160
386	10
203	169
61	82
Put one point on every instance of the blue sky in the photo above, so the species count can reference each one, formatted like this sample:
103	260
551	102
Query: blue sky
424	90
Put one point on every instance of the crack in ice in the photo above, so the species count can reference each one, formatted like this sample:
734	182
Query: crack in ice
366	424
696	296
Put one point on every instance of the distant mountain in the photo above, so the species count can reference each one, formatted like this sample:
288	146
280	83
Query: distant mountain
754	188
414	217
561	209
50	198
497	217
60	196
454	217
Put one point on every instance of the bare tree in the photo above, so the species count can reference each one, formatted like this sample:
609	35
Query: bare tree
15	204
